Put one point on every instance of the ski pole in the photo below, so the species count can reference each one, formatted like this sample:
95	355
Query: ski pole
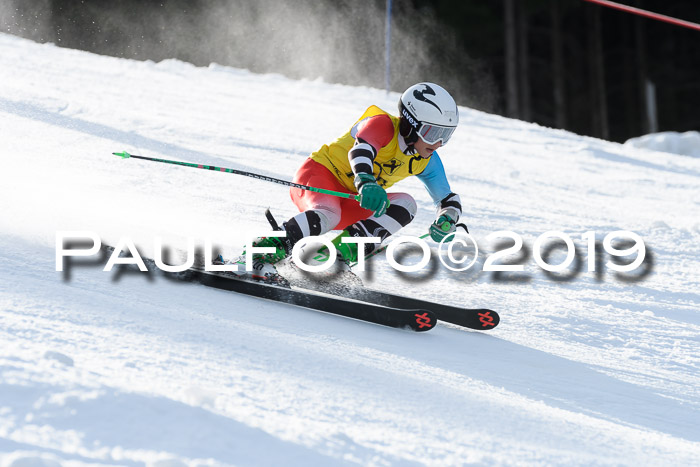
340	194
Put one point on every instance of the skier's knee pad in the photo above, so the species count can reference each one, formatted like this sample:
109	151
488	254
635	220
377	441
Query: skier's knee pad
405	201
310	223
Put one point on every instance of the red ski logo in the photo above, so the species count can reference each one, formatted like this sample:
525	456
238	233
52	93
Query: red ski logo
423	320
486	319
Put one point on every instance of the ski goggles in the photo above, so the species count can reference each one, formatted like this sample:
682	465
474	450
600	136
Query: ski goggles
431	134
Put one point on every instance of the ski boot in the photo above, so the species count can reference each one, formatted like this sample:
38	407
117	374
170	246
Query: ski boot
263	267
346	252
341	273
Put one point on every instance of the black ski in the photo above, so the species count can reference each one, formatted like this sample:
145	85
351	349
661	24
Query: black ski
414	319
397	317
481	319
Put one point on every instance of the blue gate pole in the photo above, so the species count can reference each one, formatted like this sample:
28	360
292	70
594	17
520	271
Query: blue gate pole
387	48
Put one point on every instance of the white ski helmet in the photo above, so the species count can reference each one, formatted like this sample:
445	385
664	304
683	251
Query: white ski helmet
427	111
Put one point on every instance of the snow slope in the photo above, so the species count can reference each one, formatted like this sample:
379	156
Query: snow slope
100	368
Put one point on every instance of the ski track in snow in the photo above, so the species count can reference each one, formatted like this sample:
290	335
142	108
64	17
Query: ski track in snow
132	369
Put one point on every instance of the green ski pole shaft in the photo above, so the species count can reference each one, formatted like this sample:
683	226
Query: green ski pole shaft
340	194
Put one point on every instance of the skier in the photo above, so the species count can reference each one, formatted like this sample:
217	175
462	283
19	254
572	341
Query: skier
378	151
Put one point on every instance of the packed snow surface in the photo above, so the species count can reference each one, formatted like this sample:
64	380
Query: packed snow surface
131	369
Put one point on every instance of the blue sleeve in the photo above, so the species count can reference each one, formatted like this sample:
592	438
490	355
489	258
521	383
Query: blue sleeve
435	180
